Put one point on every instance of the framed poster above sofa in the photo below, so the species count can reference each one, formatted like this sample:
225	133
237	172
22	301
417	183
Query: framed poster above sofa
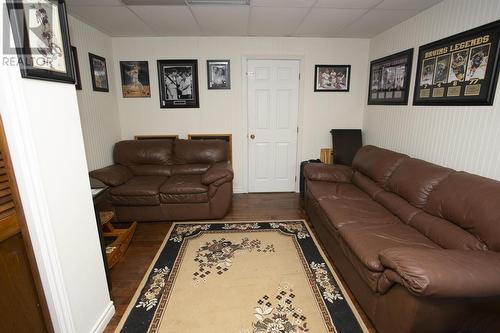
390	79
459	70
178	81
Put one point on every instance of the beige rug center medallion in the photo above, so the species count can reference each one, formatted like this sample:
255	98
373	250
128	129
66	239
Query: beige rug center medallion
241	278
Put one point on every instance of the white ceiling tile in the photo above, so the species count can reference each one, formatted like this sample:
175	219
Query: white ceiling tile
361	4
266	21
103	3
168	20
376	21
116	21
408	4
327	22
222	20
282	3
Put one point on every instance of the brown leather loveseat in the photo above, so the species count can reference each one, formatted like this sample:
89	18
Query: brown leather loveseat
418	244
165	180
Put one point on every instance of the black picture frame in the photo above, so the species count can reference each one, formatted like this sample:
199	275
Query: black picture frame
135	79
394	90
322	82
172	75
76	68
223	82
459	70
100	82
53	45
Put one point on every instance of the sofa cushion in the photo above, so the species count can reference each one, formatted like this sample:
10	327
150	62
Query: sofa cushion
415	179
377	163
321	189
200	151
151	170
184	189
366	184
190	169
367	240
342	212
137	152
472	203
138	191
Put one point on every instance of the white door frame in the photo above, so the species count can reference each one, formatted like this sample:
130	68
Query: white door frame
244	108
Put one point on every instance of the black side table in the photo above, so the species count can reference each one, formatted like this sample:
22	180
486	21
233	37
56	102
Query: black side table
100	196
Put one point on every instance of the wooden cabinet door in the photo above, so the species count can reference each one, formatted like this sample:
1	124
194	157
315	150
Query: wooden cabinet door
21	308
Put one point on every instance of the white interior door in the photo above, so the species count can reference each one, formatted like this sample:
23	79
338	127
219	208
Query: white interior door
273	104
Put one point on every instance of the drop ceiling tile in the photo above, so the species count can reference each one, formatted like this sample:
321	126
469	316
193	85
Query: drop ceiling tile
408	4
222	20
168	20
327	22
267	21
103	3
115	21
376	21
361	4
282	3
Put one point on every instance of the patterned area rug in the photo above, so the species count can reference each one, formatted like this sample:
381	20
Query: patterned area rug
257	277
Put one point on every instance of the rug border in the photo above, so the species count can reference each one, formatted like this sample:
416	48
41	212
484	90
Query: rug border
137	294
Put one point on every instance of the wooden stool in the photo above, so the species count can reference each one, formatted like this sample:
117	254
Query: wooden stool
118	247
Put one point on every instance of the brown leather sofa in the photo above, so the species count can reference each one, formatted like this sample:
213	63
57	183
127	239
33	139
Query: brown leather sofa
418	244
165	180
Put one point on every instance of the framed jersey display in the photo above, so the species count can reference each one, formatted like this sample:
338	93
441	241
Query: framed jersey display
390	79
459	70
178	82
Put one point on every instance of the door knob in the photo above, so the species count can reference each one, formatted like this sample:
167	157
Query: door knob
252	136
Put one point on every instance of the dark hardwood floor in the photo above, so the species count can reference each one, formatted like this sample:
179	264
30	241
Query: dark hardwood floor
129	272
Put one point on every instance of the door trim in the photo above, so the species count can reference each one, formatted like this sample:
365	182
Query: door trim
23	155
244	108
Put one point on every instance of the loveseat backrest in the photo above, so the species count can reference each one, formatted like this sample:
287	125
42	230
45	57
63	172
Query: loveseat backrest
144	152
200	151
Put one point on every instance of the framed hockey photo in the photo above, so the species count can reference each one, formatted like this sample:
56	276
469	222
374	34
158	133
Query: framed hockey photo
135	79
332	78
41	38
178	82
390	79
219	74
99	73
459	70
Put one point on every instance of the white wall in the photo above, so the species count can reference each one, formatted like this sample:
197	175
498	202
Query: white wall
45	138
225	111
464	137
98	110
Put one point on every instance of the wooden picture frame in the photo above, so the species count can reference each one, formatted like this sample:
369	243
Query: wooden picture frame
332	78
225	137
135	79
390	79
47	56
156	137
76	68
459	70
178	83
99	73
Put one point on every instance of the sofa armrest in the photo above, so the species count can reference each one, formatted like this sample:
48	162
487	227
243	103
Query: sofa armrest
112	175
444	273
328	172
218	174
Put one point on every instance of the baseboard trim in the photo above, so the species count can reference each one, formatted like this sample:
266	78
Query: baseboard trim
101	324
239	190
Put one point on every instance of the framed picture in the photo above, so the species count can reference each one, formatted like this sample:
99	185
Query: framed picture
135	79
178	82
459	70
76	69
41	39
390	79
219	74
99	73
332	77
